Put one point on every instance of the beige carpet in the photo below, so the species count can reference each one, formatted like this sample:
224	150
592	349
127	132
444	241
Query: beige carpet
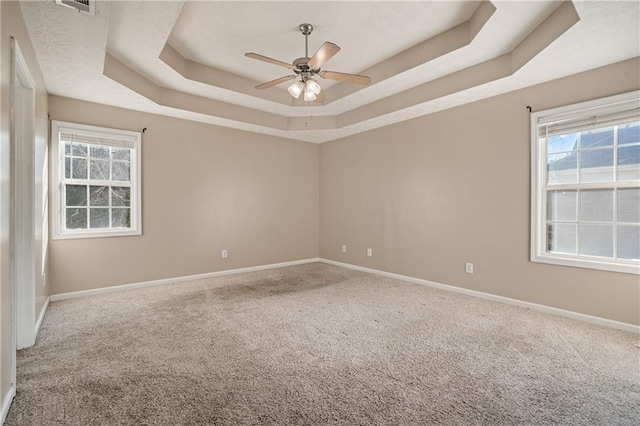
314	345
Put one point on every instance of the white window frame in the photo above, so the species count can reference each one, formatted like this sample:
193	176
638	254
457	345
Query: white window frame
539	188
59	230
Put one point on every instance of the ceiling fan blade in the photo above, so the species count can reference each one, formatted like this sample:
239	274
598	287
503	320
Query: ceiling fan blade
275	82
326	52
320	98
269	60
349	78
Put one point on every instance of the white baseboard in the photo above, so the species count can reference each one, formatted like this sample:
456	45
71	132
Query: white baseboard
6	403
117	288
41	317
488	296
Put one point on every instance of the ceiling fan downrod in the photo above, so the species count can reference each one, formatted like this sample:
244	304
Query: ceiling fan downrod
306	29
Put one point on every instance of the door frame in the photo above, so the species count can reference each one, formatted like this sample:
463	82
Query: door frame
22	203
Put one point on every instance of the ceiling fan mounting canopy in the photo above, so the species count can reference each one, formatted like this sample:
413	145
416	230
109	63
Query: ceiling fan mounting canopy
307	67
306	29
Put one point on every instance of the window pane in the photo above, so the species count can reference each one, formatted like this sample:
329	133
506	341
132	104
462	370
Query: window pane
99	169
120	154
95	181
628	242
99	218
629	162
561	205
629	205
596	205
562	168
598	137
99	152
76	195
120	196
629	133
79	168
67	167
596	240
596	166
98	196
561	238
79	150
562	143
76	218
120	218
629	154
120	171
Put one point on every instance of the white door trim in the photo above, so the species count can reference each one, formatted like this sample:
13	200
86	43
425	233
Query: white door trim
23	200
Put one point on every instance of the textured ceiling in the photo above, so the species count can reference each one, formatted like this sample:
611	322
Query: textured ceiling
271	28
186	59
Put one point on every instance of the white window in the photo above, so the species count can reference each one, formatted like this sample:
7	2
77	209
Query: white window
96	173
586	184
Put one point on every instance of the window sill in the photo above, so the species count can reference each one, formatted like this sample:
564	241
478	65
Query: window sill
98	234
627	268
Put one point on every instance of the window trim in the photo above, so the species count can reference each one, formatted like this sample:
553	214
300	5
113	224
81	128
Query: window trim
57	149
539	192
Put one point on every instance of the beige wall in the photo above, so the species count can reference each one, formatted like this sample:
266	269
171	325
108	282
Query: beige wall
204	189
13	26
432	193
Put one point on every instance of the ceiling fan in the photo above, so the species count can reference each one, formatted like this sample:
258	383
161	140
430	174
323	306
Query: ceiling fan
307	68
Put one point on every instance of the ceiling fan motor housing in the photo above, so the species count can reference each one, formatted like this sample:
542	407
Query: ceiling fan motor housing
301	66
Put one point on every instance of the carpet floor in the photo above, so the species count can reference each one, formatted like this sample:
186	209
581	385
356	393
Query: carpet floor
317	344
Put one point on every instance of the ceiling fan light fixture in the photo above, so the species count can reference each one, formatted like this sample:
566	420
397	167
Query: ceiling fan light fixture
296	89
309	95
313	86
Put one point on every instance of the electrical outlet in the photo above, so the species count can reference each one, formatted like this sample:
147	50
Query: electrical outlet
468	268
369	252
344	248
225	254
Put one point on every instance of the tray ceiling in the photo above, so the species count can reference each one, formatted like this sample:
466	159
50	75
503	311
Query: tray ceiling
186	59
